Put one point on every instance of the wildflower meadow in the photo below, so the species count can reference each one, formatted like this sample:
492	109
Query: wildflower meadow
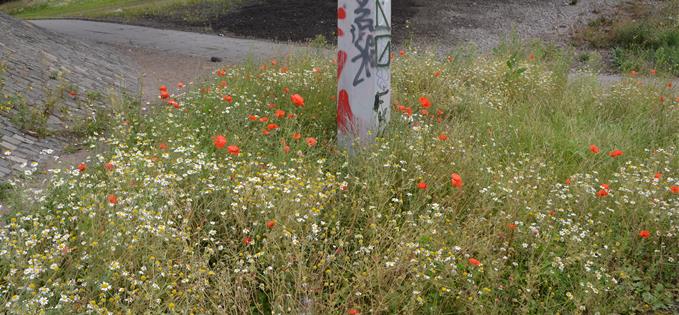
503	184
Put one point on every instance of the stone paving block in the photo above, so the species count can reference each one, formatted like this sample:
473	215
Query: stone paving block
7	146
17	159
11	140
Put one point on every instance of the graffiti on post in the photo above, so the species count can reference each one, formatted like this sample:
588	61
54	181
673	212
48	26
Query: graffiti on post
363	69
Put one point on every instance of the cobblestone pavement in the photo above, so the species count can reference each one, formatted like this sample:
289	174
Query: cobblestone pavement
48	84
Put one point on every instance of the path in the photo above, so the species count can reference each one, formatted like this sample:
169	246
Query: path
231	50
168	56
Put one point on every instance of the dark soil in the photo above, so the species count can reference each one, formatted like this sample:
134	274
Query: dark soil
298	20
282	20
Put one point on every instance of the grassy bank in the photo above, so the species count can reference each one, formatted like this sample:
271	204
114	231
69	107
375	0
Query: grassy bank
183	12
642	37
275	218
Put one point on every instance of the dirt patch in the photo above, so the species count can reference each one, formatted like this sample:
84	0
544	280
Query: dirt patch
299	20
282	20
443	23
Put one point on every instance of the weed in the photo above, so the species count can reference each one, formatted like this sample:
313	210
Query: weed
169	220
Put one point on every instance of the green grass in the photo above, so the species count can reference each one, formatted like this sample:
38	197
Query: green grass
641	37
286	227
126	10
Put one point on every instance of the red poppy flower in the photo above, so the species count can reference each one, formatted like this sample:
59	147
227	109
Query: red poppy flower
163	88
311	141
252	117
675	189
658	175
456	180
604	186
180	85
271	126
531	57
669	85
644	233
296	136
228	98
439	112
353	311
266	132
222	84
72	93
653	72
234	150
286	149
511	226
173	103
633	73
82	167
297	99
112	199
219	141
247	240
602	193
221	72
451	58
274	62
594	148
270	224
286	90
280	113
264	119
164	95
568	181
422	185
662	99
109	166
615	153
443	137
163	146
425	102
437	73
474	262
402	53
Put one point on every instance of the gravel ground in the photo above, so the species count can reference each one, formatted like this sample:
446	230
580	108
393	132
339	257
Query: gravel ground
485	22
